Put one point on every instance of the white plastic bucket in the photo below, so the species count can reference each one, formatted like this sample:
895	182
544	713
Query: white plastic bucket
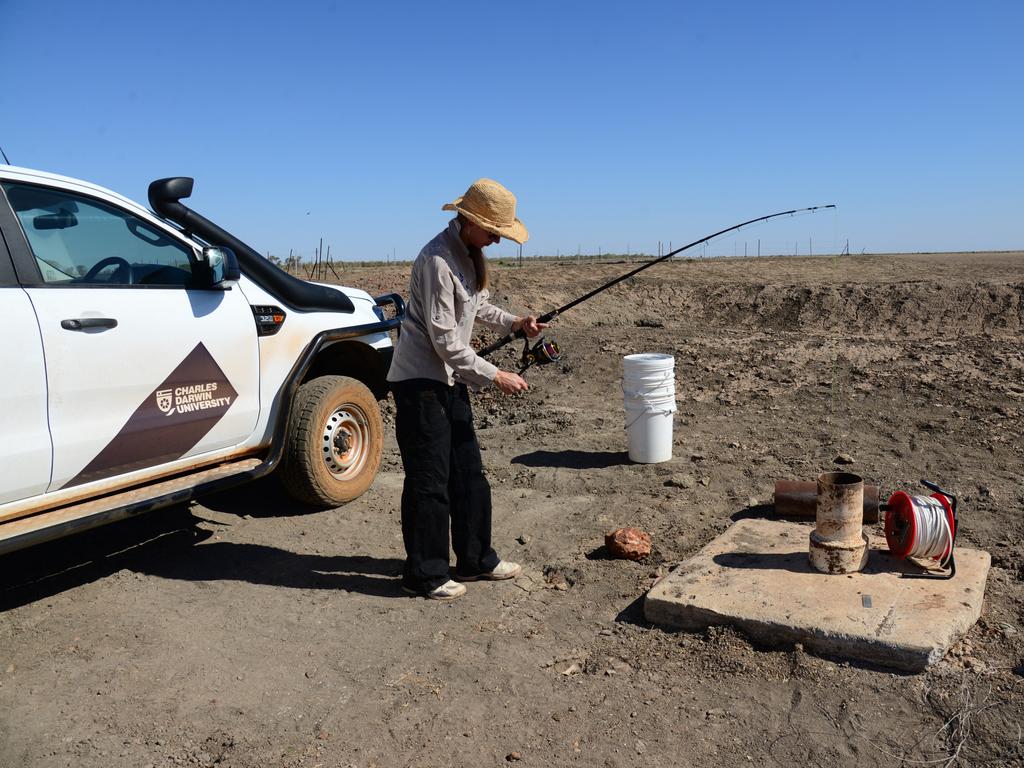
648	388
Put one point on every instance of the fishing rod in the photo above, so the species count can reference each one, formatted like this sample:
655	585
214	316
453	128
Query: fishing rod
545	351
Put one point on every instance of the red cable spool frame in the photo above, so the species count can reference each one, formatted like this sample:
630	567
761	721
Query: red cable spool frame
901	523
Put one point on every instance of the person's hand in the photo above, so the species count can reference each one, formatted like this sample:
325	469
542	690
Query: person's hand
528	325
510	383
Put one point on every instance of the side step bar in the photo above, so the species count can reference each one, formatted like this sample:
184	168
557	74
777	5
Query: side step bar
35	529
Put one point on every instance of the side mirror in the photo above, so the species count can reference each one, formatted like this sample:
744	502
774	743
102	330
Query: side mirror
222	265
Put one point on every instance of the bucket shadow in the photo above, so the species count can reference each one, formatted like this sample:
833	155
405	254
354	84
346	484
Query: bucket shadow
573	459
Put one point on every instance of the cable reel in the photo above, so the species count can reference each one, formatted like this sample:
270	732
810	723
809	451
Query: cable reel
923	527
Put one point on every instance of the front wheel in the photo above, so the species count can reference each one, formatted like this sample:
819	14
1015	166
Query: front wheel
334	441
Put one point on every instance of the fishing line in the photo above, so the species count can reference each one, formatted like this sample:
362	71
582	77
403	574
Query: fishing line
549	316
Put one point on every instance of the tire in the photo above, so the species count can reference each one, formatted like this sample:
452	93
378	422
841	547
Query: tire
333	446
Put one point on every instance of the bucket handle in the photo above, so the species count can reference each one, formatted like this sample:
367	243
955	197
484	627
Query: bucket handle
635	393
641	394
669	376
650	409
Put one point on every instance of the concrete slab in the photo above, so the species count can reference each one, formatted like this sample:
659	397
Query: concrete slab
756	577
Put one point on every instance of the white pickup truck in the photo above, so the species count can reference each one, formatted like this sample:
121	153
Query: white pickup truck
150	358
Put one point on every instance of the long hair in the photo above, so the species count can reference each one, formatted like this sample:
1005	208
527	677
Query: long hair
479	266
479	260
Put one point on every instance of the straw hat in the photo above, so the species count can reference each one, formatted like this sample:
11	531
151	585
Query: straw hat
489	205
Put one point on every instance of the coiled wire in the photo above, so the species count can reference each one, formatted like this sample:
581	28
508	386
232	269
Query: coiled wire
933	536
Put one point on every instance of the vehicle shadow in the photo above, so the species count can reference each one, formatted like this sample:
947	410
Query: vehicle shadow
265	497
48	569
175	544
261	564
573	459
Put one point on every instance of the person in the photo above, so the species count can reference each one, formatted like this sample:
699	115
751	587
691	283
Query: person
432	368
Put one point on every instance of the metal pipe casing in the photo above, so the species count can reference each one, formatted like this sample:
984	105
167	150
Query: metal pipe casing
838	543
799	498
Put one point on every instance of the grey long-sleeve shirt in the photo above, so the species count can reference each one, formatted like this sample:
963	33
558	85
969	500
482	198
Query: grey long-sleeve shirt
443	305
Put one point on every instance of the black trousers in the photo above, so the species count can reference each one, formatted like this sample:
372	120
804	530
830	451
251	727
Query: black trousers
444	484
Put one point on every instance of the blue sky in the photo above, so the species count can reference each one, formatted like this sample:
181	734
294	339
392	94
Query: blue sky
616	124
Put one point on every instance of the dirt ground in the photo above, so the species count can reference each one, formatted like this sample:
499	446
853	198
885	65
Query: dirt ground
244	631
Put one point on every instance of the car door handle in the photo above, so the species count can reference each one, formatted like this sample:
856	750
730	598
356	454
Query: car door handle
81	323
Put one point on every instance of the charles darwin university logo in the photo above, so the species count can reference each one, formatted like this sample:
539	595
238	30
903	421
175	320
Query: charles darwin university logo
169	423
164	398
192	397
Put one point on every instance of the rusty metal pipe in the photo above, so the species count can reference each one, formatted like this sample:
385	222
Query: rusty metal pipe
799	498
838	543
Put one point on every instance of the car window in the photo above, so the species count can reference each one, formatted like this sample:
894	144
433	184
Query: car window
80	241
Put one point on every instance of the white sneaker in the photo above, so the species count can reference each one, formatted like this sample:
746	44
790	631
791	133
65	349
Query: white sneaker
447	591
503	570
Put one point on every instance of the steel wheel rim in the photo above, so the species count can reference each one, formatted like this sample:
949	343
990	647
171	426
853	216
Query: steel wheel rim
345	441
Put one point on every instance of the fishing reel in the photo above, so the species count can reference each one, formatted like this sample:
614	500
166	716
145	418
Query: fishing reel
544	351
